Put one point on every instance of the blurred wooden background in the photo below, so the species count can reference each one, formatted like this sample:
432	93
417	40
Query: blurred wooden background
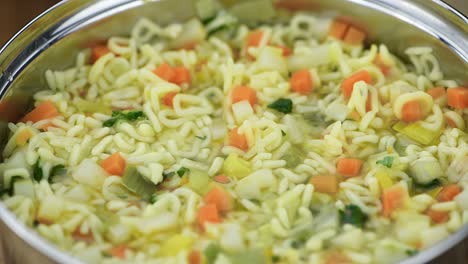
14	14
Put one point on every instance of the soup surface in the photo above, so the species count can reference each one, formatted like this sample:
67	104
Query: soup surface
212	141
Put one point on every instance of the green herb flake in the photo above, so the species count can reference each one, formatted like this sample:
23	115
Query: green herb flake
168	174
12	184
283	133
411	252
430	185
153	198
353	215
56	170
123	116
211	252
37	171
275	259
296	244
386	161
282	105
201	137
182	171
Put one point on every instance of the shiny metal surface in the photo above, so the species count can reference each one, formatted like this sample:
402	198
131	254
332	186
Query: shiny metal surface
53	39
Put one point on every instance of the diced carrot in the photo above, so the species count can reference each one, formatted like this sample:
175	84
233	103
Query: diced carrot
337	257
44	110
254	38
222	179
349	167
207	214
219	197
165	72
325	183
354	115
242	92
182	75
194	257
168	99
354	36
114	164
384	68
448	192
23	136
437	217
44	221
436	92
238	140
286	51
301	82
411	111
99	51
118	251
393	198
88	238
347	85
338	29
458	97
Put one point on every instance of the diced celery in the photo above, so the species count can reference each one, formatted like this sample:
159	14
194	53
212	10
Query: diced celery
293	157
137	183
384	179
434	192
390	251
89	173
253	10
192	33
272	59
234	166
50	209
92	106
175	244
199	181
248	256
425	171
417	133
24	187
256	185
265	234
207	9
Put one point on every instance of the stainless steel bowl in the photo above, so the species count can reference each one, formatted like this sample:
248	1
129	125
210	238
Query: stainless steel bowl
53	39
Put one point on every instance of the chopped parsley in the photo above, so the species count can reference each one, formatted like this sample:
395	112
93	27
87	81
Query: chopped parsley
153	198
201	137
282	105
411	252
386	161
56	170
182	171
123	116
432	184
37	171
283	133
353	215
275	259
168	174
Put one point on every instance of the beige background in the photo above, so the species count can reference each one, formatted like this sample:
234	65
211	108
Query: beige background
14	14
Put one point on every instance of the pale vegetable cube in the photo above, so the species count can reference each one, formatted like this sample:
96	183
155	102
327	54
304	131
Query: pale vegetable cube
256	184
234	166
433	235
175	244
462	199
24	187
272	59
242	110
89	173
118	233
50	208
231	240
